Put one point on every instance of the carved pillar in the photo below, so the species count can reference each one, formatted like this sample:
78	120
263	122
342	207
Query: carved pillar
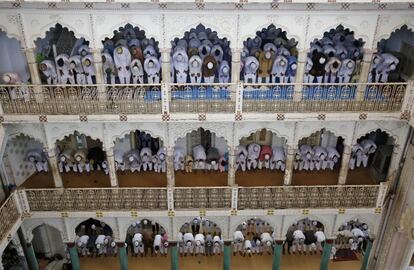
111	164
166	65
363	75
343	172
123	258
174	255
231	175
227	255
366	255
326	254
34	74
54	168
300	71
277	255
74	257
97	58
290	156
235	65
170	167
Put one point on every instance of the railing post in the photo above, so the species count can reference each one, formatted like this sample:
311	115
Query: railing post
170	198
343	172
231	174
300	72
170	167
290	156
54	168
239	97
382	192
165	98
234	197
34	74
111	165
408	101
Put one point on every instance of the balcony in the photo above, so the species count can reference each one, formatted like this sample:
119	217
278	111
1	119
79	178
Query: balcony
202	98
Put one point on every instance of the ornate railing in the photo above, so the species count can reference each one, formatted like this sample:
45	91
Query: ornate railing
97	199
9	215
80	99
202	197
202	98
353	97
305	197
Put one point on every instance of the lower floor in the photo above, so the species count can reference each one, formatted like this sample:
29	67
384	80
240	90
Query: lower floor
293	262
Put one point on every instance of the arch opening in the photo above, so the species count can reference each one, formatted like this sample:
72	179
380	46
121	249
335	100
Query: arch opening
201	159
394	60
304	236
63	58
261	156
200	236
95	238
48	244
13	67
371	157
82	161
317	160
146	237
352	238
140	160
27	163
253	236
131	57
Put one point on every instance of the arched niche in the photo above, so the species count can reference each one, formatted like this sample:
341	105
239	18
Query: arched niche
334	58
13	67
260	159
148	229
48	243
129	56
201	225
201	158
64	58
299	236
352	237
27	163
13	256
200	56
93	227
267	53
254	227
317	160
394	61
371	158
140	159
82	158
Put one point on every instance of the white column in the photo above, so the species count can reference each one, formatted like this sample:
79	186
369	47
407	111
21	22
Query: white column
231	174
343	172
166	65
290	155
34	74
235	64
300	71
97	58
363	75
170	167
111	164
54	168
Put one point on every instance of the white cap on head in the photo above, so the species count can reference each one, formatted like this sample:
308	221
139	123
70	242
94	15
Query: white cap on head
131	158
166	244
136	243
268	243
113	244
93	227
188	243
267	156
198	243
78	158
213	162
210	65
98	246
145	222
351	241
106	241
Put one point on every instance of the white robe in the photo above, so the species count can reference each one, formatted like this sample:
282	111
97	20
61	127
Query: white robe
199	241
75	64
122	60
63	69
152	67
161	163
195	66
238	239
134	160
279	68
146	159
251	65
180	60
89	68
253	153
199	155
241	156
137	71
179	155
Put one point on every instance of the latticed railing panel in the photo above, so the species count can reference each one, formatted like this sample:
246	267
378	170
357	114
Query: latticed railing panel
307	197
9	215
97	199
201	198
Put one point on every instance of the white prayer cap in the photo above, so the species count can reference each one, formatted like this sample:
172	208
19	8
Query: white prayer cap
198	243
365	226
188	243
106	241
145	222
315	223
98	246
113	244
268	243
351	241
166	244
136	243
93	227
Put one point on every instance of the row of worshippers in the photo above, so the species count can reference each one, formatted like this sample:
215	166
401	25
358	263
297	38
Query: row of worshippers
270	57
18	92
144	159
77	68
352	235
304	236
201	159
83	160
333	58
361	152
160	244
200	56
129	57
95	240
258	244
381	67
316	158
39	159
145	236
256	156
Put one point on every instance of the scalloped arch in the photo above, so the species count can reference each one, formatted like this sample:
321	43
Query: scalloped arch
15	135
108	223
360	218
52	25
117	26
395	29
29	230
12	36
357	33
253	130
188	130
264	218
125	133
316	129
125	225
265	25
65	134
327	229
371	130
209	219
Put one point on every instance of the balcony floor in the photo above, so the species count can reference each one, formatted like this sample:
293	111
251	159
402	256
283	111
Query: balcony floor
259	178
199	178
360	176
293	262
39	180
70	180
142	179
